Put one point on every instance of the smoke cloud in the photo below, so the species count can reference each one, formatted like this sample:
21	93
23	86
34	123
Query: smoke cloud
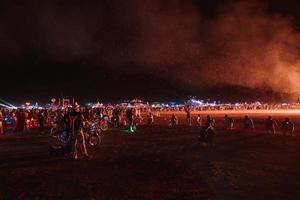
243	44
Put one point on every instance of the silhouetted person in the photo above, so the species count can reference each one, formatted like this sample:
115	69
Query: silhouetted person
174	120
188	115
208	133
116	117
41	119
271	125
129	116
288	127
210	120
228	122
248	123
20	120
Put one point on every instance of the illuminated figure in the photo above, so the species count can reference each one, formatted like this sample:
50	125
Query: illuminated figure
199	121
150	118
138	120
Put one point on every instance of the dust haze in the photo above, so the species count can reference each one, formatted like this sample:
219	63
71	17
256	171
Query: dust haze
242	44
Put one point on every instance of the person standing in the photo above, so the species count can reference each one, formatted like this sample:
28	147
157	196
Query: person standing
77	140
129	116
248	123
13	116
138	120
41	120
188	115
174	120
210	120
116	117
288	127
228	122
271	125
150	118
20	120
199	121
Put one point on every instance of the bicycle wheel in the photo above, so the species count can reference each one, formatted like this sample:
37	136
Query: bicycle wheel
94	140
104	126
64	137
53	132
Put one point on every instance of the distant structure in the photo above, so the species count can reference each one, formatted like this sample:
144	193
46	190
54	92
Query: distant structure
61	103
66	102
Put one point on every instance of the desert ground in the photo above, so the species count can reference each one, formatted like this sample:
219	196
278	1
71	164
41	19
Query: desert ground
159	162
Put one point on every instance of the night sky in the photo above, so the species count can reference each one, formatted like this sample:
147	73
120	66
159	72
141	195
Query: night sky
158	50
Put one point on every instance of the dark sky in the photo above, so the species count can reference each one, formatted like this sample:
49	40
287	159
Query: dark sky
114	49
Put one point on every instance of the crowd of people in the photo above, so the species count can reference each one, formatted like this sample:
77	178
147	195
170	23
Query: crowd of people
72	118
22	120
271	126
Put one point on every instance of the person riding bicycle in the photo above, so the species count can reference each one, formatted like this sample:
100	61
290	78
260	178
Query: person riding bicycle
208	133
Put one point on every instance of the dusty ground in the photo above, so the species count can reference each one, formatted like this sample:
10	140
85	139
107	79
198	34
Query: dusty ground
157	162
